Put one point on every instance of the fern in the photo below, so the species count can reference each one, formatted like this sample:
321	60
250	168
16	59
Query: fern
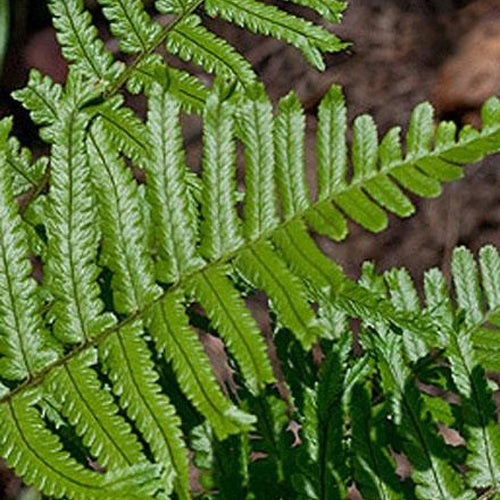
107	358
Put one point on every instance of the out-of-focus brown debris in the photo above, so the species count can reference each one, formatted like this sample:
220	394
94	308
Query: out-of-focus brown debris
472	73
43	53
216	352
10	486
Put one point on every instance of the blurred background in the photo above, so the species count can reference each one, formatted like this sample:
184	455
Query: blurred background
403	52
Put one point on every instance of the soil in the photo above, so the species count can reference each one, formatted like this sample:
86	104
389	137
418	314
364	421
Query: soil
403	52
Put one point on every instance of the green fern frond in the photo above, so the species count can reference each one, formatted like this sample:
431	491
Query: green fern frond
91	411
193	42
258	17
71	273
41	97
220	228
289	135
187	89
480	307
375	182
374	471
454	329
130	24
180	345
127	361
479	410
331	143
24	345
27	173
305	259
126	131
168	190
330	424
126	357
255	122
139	34
404	297
125	244
433	474
269	273
37	455
133	266
229	315
80	42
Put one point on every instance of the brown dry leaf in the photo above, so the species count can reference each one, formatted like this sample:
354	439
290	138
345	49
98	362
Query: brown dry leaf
294	427
214	347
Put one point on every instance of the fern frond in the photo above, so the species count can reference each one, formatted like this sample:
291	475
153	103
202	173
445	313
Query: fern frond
91	410
289	136
71	272
331	459
126	357
126	131
80	42
37	455
438	300
229	315
41	97
454	332
172	6
266	19
188	89
364	147
24	345
193	42
331	144
404	297
125	249
375	183
167	188
374	471
180	345
128	363
489	262
479	410
93	196
306	260
321	459
130	24
478	312
268	272
256	129
466	280
220	227
27	173
433	474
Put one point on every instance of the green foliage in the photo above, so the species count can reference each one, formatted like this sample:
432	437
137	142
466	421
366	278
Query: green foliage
137	357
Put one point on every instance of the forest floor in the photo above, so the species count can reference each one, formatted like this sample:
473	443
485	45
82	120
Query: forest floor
403	52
